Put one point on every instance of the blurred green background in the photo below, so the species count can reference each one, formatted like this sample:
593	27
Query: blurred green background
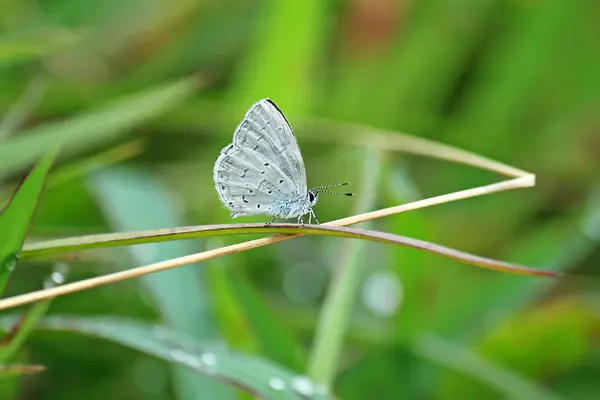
514	80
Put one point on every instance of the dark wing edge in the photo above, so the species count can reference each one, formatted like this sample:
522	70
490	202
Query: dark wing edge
280	112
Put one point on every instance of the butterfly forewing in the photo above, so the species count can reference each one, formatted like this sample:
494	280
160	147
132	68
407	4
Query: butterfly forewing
266	131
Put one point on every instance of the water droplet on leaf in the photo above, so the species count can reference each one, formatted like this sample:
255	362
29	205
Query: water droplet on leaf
277	383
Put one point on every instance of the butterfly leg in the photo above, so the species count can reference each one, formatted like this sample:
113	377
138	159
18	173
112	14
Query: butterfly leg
314	215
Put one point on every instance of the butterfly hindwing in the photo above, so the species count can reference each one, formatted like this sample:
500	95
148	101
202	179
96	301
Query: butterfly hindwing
248	187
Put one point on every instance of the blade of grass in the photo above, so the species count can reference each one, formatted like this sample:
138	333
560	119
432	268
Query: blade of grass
17	114
421	72
511	71
36	43
14	340
453	356
568	246
21	331
321	229
411	268
286	77
257	376
91	164
339	301
228	310
145	237
415	145
133	199
276	342
76	169
17	215
128	238
93	127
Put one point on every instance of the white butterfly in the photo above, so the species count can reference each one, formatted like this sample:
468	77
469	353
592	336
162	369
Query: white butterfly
262	171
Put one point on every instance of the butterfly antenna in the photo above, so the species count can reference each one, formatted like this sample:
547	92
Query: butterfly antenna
330	186
319	189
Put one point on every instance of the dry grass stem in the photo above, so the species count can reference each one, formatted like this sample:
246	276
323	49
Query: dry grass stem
380	139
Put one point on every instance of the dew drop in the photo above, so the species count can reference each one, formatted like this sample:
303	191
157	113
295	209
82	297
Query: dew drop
303	385
10	264
209	359
277	384
57	277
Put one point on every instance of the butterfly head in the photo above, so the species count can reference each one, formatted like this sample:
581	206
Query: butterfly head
313	197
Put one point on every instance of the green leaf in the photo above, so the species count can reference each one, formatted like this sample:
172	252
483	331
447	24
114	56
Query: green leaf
21	331
339	302
34	44
510	384
287	77
16	217
274	339
93	127
257	376
19	111
133	199
168	234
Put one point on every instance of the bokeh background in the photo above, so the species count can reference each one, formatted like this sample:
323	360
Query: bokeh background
514	80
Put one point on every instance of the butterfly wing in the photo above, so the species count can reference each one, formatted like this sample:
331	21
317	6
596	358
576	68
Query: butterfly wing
262	170
244	185
265	130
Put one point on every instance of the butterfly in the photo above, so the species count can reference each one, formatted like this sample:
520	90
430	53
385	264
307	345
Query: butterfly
262	171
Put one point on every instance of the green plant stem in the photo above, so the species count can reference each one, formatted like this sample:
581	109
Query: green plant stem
335	316
22	330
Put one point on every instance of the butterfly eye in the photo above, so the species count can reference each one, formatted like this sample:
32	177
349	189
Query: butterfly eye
311	196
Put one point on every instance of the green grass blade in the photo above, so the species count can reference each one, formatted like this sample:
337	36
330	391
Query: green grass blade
161	235
30	45
17	114
272	336
257	376
286	76
22	330
506	294
133	199
15	339
93	127
511	385
339	302
16	216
